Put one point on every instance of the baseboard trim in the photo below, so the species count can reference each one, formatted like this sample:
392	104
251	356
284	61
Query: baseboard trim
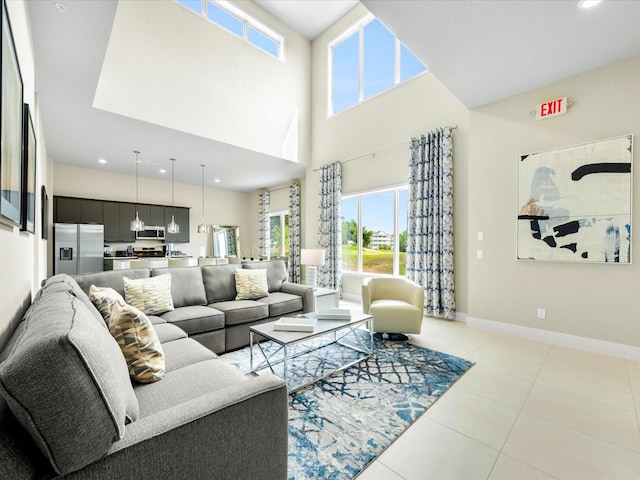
562	339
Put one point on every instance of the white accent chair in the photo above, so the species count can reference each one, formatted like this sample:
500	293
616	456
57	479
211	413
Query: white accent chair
396	305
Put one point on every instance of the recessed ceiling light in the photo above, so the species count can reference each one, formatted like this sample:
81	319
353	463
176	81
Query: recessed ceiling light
588	3
217	180
102	160
61	7
162	170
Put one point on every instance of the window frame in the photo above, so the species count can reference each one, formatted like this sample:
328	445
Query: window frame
282	214
247	20
358	28
396	189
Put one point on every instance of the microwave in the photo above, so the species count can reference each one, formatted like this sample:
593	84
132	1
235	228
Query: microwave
150	233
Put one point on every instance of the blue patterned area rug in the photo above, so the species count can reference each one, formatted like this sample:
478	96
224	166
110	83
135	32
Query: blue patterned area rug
337	426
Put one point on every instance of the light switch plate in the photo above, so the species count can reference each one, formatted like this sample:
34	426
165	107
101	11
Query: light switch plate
479	253
480	236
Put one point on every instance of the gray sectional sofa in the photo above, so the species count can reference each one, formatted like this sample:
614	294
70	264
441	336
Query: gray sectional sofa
68	408
204	300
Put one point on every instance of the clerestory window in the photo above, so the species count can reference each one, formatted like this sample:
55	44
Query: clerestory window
367	60
237	22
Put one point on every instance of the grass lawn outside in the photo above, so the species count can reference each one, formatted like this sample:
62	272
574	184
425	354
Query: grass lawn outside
373	261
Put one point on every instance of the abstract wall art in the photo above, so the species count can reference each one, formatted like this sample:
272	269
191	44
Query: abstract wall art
574	203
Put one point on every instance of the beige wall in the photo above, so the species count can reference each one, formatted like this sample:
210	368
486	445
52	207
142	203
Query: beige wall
23	256
595	301
224	88
383	126
222	207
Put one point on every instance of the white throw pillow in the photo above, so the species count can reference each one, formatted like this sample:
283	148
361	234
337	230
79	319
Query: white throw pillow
251	284
151	296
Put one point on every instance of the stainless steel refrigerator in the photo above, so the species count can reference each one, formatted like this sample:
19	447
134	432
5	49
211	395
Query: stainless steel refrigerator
78	248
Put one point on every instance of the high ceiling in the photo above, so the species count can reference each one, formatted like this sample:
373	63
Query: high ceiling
481	50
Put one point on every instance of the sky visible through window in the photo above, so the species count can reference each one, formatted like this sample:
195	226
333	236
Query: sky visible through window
378	65
377	211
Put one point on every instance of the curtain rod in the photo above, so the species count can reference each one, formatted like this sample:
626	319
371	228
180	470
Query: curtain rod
384	149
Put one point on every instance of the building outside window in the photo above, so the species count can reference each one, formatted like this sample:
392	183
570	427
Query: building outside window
374	231
367	60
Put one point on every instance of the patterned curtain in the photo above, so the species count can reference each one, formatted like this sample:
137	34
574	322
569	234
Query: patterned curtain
294	233
330	226
430	221
264	233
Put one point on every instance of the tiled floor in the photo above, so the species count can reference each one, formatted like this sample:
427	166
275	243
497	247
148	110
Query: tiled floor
526	410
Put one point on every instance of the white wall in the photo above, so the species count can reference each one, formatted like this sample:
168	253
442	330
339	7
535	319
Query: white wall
596	301
23	256
383	125
223	88
222	207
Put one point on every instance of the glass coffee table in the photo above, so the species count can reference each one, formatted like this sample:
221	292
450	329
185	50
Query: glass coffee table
288	345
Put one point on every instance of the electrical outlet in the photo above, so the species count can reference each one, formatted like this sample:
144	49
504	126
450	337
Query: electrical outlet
479	253
542	313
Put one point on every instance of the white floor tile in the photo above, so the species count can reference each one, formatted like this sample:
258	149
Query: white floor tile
504	389
476	417
428	450
599	377
507	468
564	453
612	424
377	471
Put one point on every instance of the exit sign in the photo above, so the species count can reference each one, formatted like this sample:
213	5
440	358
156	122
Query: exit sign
552	108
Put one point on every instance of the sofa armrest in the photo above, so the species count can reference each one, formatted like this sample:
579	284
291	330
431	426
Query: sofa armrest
235	432
305	291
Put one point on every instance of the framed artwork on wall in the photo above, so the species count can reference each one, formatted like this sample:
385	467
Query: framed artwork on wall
44	213
10	129
28	174
574	203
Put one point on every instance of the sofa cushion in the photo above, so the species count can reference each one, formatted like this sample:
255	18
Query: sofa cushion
276	272
168	332
188	383
134	333
186	285
183	352
282	303
251	284
196	319
242	311
149	295
66	382
219	282
111	278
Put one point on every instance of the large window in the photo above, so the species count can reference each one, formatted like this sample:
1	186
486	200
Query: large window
279	225
374	232
365	61
234	20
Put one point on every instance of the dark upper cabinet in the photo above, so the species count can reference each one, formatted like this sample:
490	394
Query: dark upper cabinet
111	217
127	213
67	210
91	211
183	221
156	215
181	215
144	213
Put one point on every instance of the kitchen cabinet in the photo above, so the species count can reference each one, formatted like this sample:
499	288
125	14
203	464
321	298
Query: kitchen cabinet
127	213
91	211
67	210
156	215
181	215
111	217
144	213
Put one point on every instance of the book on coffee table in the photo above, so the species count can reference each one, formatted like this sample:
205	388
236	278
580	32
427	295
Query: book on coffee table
295	324
334	314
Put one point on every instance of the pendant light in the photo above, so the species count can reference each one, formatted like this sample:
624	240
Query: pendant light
203	227
136	225
173	227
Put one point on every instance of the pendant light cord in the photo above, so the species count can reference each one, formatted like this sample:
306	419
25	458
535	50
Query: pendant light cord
136	152
202	193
